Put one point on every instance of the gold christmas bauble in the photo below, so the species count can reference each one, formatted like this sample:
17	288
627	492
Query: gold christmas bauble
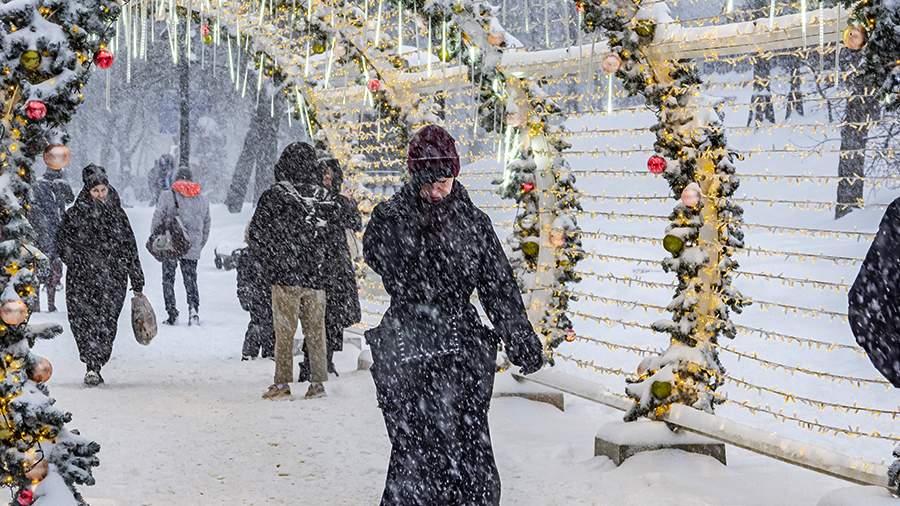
530	249
30	60
557	237
495	39
56	156
318	48
645	28
661	389
14	312
854	37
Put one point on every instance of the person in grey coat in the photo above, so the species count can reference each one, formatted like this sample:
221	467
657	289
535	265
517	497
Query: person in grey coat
185	201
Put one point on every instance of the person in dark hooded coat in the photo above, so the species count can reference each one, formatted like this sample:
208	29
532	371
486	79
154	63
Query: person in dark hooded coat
342	308
52	194
96	242
874	299
434	360
287	236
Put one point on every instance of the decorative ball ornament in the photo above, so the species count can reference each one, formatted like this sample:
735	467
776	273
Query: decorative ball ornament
644	366
204	30
374	85
496	39
531	249
103	59
661	389
38	471
571	335
35	110
57	156
557	237
318	48
691	195
339	51
208	39
527	187
26	497
855	37
673	244
656	164
645	28
611	63
42	371
30	60
515	119
14	312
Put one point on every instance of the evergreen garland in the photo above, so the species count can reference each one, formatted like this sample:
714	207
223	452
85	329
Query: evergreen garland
689	372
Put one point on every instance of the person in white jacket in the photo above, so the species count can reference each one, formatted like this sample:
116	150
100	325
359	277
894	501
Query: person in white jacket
184	200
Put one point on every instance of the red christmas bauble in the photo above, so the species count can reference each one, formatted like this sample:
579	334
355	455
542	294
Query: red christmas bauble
35	110
527	187
374	85
26	497
656	164
103	59
204	30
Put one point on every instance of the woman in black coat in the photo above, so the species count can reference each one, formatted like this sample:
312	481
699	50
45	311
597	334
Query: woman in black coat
342	307
96	243
434	360
874	300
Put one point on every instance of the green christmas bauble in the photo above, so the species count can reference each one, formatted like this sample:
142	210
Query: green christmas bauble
208	39
530	249
645	28
318	48
673	244
661	389
30	60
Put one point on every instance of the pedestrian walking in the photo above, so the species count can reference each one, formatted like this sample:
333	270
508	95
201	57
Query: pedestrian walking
52	194
96	243
434	360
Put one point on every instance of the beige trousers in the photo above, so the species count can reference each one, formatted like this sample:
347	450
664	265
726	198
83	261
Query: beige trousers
289	304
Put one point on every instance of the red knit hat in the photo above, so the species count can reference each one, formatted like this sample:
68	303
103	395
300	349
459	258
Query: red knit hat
432	155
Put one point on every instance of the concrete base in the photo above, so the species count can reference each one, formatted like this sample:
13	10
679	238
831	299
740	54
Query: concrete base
620	440
507	386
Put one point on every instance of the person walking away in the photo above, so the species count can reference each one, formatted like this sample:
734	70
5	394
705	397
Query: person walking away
255	296
96	243
342	308
434	360
286	235
160	177
52	194
185	201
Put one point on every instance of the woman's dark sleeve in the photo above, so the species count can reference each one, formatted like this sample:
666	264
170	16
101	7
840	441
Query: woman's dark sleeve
350	216
375	240
64	241
132	258
499	295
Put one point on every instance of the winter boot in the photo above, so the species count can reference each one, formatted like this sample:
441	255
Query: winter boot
173	317
193	317
315	391
278	392
51	299
331	368
92	378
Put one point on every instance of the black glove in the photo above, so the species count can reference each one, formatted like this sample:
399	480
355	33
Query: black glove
525	350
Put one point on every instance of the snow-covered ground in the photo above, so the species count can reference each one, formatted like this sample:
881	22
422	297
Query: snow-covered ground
181	421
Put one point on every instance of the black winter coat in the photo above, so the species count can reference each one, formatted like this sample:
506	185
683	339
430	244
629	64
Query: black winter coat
874	300
252	289
97	244
342	309
52	194
431	259
292	217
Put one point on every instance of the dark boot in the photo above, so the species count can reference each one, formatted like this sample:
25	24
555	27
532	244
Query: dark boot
173	317
331	368
51	299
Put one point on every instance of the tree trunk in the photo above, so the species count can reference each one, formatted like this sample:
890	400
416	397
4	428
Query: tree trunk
761	110
268	144
795	96
184	135
247	160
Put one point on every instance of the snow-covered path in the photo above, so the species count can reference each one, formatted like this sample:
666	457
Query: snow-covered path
181	422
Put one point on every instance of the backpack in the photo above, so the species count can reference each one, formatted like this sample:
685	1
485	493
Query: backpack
169	240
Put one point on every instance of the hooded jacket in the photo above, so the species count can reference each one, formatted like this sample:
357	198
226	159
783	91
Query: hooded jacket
51	195
291	220
193	209
874	298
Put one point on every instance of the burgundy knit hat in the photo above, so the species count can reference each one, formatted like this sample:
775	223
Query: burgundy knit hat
432	155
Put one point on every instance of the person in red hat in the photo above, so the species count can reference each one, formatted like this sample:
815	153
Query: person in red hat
434	360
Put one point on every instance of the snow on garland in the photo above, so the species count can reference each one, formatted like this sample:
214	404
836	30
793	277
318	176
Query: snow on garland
520	110
873	24
47	48
700	171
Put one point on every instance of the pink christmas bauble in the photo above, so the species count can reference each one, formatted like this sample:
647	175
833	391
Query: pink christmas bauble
611	63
